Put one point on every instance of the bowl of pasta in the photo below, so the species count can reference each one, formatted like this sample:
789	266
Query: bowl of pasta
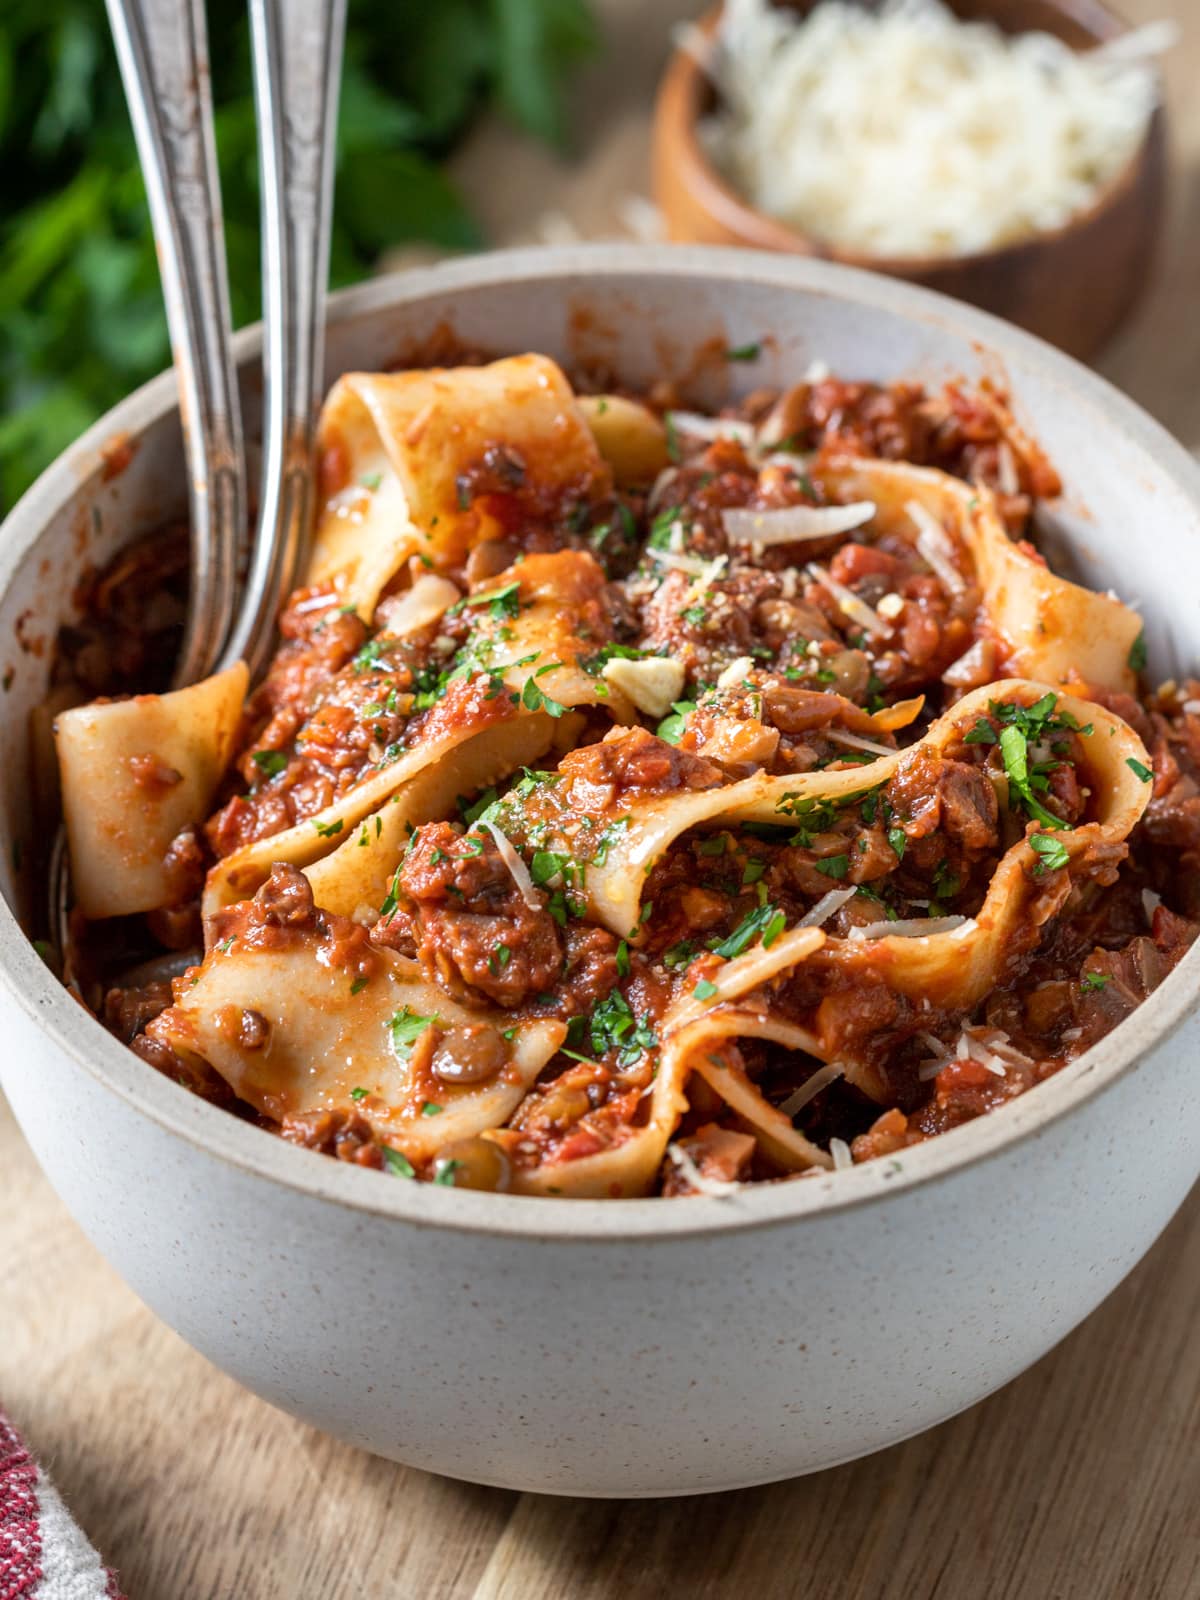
680	972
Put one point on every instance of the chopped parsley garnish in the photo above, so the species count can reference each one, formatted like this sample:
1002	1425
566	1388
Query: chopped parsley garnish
535	699
595	664
673	449
671	727
371	480
744	352
696	615
713	847
367	659
328	830
1140	768
1137	653
532	779
898	840
444	1176
704	990
499	959
753	871
1014	749
679	955
833	866
270	762
472	812
1093	980
946	884
547	864
358	1094
430	1109
663	527
613	1026
767	921
623	959
398	1165
406	1027
359	985
1052	853
502	603
392	899
981	733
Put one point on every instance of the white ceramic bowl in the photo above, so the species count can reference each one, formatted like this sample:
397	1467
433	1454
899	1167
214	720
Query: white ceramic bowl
637	1347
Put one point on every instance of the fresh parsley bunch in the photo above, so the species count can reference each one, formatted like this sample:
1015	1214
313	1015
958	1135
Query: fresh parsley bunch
80	306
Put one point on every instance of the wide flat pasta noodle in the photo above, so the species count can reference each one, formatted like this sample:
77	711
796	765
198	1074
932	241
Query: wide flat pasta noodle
537	646
958	968
330	1035
134	774
401	445
1050	629
359	870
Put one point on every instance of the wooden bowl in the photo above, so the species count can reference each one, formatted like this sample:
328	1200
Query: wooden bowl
1072	285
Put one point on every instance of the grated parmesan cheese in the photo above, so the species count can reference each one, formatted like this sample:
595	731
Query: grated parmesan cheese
902	131
720	1188
825	907
821	1079
517	867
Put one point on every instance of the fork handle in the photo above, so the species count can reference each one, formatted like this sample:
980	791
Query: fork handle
297	50
162	50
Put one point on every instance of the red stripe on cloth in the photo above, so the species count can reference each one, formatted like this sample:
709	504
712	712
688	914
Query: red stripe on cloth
20	1536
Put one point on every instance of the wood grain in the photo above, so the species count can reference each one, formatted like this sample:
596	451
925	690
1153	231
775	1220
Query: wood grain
1081	1481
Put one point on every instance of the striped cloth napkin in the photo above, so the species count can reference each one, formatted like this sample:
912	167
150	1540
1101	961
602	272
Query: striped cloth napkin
43	1553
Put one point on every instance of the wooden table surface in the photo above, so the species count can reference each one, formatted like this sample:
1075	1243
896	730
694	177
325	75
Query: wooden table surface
1081	1481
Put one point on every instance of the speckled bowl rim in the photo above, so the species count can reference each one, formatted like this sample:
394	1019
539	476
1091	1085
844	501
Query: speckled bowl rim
28	983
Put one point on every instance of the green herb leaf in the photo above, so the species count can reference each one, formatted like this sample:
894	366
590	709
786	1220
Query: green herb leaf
396	1163
704	990
744	352
1052	853
270	762
1139	767
406	1027
671	727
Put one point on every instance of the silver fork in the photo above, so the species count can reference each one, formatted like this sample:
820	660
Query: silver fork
162	50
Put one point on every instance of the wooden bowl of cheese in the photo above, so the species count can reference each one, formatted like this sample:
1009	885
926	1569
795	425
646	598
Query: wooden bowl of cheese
994	165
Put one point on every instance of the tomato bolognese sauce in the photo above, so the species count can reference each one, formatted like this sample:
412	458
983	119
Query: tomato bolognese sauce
638	801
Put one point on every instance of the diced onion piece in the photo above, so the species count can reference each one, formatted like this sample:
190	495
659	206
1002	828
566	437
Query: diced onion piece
911	928
788	524
856	742
825	907
698	427
821	1079
848	602
840	1151
936	546
1150	903
1191	708
512	860
891	606
720	1188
